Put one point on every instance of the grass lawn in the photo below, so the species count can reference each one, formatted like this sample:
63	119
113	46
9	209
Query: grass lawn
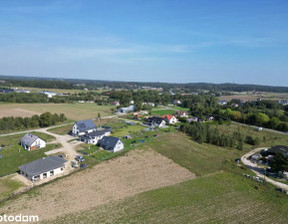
266	138
61	130
73	111
12	158
8	186
219	198
181	108
163	112
201	159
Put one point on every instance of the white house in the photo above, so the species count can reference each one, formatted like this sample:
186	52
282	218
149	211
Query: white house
31	142
181	114
83	127
124	110
43	168
111	143
155	122
170	119
49	94
95	136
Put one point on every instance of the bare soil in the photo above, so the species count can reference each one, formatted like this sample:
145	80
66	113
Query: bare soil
138	171
16	112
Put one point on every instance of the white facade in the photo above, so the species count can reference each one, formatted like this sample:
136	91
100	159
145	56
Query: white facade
94	139
173	120
37	144
44	175
119	146
76	131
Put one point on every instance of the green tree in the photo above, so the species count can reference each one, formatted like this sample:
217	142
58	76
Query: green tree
279	163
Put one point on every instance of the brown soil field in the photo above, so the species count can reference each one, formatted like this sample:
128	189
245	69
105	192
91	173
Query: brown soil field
73	111
138	171
16	112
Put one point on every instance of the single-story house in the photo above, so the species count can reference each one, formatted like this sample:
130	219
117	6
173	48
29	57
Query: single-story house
95	136
155	122
195	119
111	143
181	114
175	102
274	150
31	142
83	127
209	118
124	110
48	93
170	119
43	168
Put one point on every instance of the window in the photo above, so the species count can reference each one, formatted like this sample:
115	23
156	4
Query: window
51	172
44	175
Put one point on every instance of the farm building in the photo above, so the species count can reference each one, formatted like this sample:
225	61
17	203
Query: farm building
31	142
155	122
95	136
83	127
170	119
43	168
124	110
111	144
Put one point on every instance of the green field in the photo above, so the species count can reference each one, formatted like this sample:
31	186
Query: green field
8	186
12	158
219	198
201	159
267	138
163	112
63	130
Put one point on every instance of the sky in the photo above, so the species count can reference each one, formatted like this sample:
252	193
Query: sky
182	41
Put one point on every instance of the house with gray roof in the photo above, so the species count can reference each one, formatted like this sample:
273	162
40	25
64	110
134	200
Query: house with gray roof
95	136
31	142
43	168
83	127
111	143
124	110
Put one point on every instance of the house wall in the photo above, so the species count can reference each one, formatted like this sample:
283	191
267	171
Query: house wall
39	143
41	176
75	129
119	146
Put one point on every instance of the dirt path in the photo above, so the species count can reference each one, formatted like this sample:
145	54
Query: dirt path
138	171
258	170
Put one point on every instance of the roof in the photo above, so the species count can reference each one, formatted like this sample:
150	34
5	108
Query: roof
28	139
276	149
109	143
156	120
42	165
96	133
85	125
168	116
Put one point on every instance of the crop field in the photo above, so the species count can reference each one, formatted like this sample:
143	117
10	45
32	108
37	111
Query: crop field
219	198
12	158
73	111
125	176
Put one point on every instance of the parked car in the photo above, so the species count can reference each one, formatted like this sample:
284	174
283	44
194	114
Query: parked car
83	165
80	158
133	142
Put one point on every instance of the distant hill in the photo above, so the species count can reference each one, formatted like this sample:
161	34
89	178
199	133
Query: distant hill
62	83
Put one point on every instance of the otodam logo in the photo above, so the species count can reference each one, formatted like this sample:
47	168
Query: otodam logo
19	218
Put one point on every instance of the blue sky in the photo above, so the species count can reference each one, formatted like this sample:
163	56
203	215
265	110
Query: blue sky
240	41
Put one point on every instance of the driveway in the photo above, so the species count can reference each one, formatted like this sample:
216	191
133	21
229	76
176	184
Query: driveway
259	171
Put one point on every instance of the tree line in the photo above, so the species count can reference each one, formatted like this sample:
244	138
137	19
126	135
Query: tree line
205	133
18	123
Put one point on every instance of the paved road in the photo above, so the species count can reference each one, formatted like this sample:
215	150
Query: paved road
259	171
